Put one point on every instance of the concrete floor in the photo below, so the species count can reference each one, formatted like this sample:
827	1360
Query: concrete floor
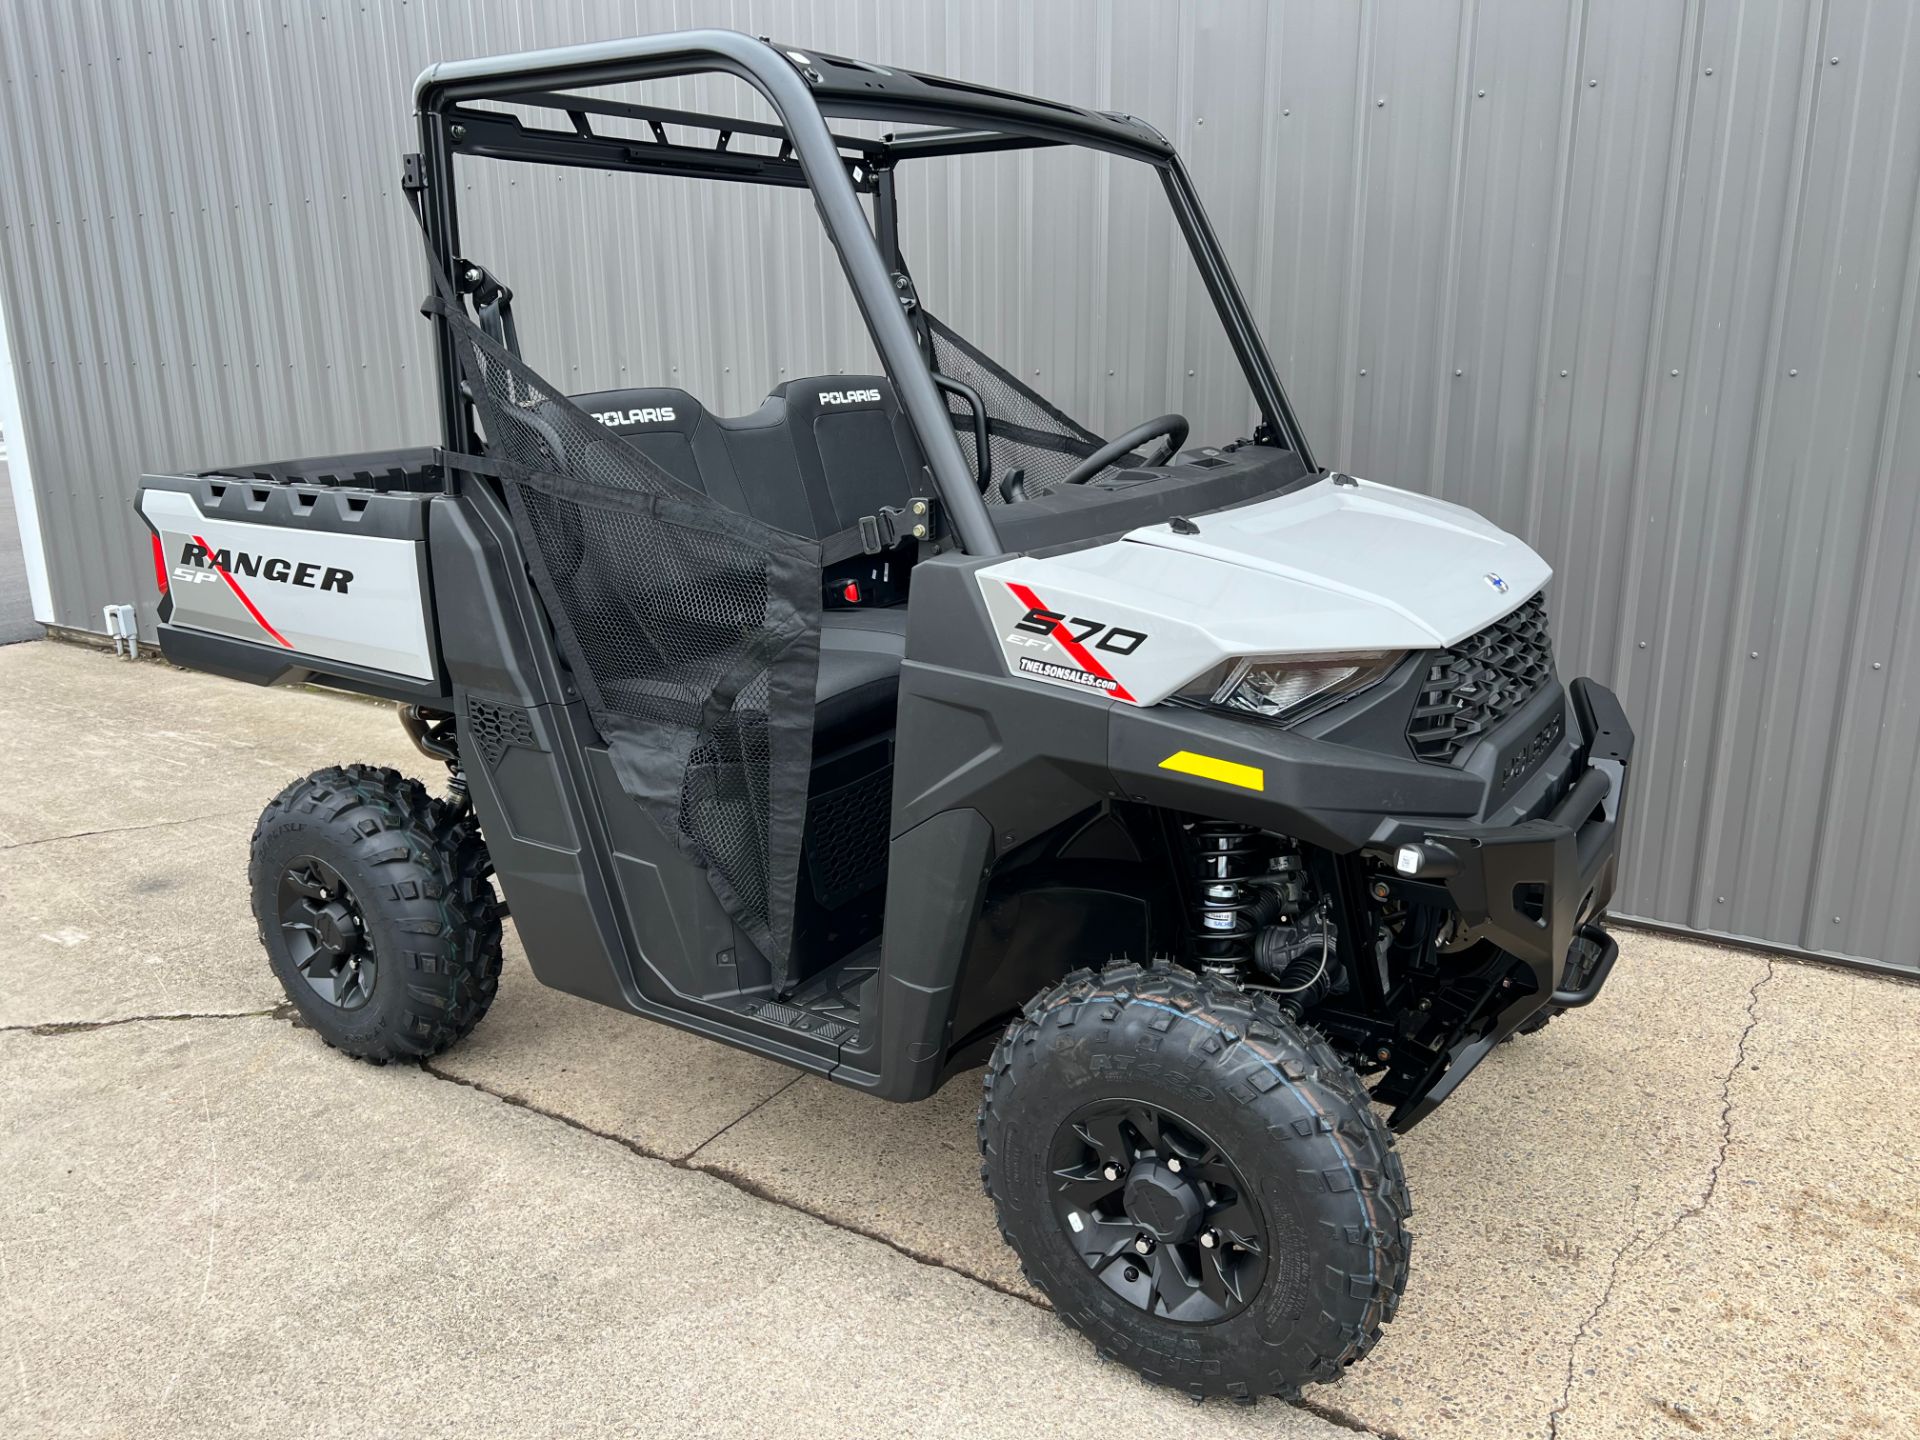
1688	1211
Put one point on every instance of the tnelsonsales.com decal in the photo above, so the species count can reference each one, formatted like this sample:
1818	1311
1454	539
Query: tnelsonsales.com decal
1049	670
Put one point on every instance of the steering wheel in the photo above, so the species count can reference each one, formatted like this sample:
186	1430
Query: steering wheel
1174	427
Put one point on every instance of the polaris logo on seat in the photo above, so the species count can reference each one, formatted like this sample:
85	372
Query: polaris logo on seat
634	417
197	564
848	397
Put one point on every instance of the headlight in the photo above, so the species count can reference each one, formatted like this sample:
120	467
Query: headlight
1289	688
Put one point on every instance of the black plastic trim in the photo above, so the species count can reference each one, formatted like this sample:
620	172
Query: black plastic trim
267	665
1587	993
291	505
414	467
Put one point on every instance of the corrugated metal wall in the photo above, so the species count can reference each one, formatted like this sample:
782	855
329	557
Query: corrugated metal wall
1638	279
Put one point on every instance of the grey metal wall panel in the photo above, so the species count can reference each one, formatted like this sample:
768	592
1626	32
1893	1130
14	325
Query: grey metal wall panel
1640	280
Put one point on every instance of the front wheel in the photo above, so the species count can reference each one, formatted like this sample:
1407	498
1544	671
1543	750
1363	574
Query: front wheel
1194	1181
376	912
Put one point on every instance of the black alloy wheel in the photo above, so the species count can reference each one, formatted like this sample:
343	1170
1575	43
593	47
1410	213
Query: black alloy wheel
325	933
376	911
1197	1182
1157	1211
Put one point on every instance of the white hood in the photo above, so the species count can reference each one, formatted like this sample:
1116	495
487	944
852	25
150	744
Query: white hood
1324	569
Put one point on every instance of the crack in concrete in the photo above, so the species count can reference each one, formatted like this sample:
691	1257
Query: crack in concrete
1687	1211
1580	1334
282	1011
747	1186
121	830
688	1162
751	1110
1712	1186
724	1175
1333	1415
751	1187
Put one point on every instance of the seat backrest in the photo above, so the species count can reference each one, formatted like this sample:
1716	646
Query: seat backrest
673	430
855	448
817	455
760	449
746	463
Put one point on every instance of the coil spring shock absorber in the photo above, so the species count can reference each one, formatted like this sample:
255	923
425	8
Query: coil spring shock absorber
1229	910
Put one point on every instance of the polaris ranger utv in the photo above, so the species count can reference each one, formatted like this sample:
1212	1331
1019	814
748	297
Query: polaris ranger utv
1208	798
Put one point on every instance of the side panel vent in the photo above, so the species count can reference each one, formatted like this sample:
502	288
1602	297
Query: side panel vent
493	729
847	837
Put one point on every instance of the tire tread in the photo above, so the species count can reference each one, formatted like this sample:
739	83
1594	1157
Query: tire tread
1249	1032
433	870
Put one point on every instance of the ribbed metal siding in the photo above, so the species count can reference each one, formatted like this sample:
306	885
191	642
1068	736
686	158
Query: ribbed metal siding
1639	280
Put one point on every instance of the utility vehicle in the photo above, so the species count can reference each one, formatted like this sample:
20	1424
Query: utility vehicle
905	725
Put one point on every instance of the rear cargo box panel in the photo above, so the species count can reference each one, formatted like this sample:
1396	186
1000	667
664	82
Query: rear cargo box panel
319	574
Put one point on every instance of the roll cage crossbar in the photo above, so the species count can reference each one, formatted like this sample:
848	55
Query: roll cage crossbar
454	103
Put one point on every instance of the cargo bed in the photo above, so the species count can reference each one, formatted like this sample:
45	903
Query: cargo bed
302	570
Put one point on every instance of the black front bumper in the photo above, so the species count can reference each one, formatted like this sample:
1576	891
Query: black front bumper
1532	886
1538	889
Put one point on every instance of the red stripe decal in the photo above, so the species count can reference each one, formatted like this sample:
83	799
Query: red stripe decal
1082	657
159	565
240	594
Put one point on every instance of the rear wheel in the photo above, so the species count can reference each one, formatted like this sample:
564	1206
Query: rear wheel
1195	1182
376	913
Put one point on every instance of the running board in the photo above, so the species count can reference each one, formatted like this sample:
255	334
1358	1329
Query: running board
826	1007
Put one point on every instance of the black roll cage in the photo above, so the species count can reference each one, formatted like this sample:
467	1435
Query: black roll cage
803	87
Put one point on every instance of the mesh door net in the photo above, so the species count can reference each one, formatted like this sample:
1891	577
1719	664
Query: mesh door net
1027	430
692	630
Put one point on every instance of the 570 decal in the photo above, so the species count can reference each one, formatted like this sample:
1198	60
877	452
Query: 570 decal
1082	638
1116	639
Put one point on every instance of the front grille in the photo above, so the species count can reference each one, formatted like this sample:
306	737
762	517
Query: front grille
1479	682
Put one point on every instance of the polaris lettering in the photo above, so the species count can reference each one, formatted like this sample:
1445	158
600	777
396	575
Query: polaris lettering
1529	754
634	417
848	397
304	573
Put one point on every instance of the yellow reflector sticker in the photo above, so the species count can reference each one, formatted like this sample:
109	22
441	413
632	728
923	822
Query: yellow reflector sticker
1227	772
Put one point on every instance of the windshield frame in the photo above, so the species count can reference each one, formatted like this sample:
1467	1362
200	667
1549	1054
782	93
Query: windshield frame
803	87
